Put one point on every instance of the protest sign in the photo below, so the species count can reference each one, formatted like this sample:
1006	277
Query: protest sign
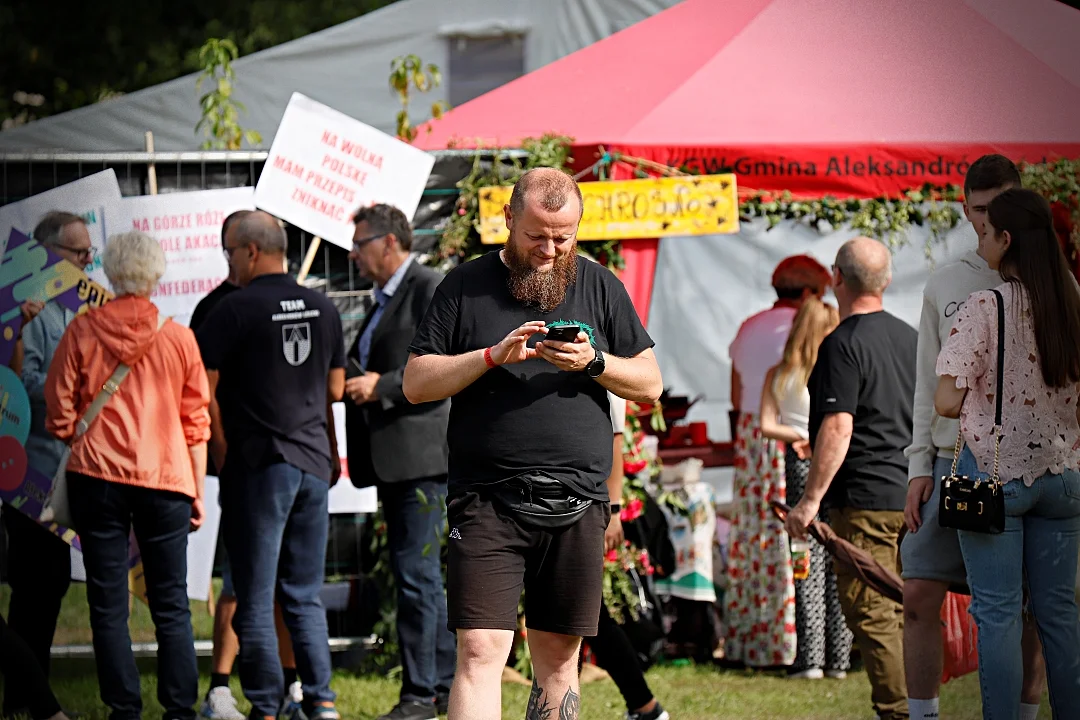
87	197
30	271
202	544
625	209
345	497
188	227
323	165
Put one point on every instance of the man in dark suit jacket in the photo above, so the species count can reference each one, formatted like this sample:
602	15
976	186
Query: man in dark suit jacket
401	449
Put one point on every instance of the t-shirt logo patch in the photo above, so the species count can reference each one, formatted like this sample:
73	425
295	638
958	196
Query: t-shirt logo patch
296	342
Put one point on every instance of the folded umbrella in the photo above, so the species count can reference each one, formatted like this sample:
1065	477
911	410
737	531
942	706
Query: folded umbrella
860	562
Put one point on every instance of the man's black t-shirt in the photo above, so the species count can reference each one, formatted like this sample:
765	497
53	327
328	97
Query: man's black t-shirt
274	343
208	303
866	367
202	311
529	417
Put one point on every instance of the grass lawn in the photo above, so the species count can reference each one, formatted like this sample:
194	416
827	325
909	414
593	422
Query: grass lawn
687	692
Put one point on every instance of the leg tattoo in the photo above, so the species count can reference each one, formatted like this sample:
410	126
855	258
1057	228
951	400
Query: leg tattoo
538	709
571	706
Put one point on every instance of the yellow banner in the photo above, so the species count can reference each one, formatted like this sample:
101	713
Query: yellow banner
625	209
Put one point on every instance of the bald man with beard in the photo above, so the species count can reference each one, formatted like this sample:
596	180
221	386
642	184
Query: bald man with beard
861	405
530	441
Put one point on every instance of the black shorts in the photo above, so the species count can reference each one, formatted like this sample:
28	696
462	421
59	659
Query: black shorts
492	557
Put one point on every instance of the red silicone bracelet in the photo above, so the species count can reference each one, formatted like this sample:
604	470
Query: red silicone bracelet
487	359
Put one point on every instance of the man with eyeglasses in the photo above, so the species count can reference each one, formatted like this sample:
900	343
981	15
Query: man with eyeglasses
401	449
39	563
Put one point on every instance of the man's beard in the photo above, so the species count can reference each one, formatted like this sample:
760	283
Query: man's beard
543	289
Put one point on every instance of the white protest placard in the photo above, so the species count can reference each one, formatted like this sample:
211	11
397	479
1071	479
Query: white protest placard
323	165
202	544
344	497
88	197
188	227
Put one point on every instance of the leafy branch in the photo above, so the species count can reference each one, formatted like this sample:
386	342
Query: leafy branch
497	167
408	73
1059	183
220	121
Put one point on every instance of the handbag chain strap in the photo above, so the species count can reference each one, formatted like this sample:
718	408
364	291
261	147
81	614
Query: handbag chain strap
1000	382
997	396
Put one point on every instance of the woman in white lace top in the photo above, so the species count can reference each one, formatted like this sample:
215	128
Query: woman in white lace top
1038	459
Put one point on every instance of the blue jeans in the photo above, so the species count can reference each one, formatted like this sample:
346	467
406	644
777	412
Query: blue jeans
105	514
276	523
428	648
1040	542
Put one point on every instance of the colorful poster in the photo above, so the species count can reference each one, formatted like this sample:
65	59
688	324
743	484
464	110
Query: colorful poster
323	165
626	209
29	271
87	197
188	227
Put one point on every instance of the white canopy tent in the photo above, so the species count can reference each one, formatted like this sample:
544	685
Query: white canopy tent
478	45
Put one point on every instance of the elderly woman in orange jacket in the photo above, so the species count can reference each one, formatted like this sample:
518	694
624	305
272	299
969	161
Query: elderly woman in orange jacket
139	465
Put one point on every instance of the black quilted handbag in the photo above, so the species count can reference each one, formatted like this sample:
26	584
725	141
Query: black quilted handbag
977	504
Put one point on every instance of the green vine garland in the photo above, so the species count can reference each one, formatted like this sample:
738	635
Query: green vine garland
883	218
886	218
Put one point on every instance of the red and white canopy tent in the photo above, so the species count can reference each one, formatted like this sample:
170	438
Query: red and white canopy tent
817	97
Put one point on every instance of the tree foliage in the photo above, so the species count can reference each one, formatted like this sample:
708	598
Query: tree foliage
63	54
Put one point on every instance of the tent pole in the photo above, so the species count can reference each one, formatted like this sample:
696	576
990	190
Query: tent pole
309	258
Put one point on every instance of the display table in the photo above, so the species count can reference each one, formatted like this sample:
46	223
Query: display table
717	454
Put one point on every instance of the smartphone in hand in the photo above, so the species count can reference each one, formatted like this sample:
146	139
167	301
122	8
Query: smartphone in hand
354	369
563	333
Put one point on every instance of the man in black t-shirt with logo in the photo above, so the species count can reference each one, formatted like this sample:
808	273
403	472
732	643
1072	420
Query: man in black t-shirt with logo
861	403
277	349
530	441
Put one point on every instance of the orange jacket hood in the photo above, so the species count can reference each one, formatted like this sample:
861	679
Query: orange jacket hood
125	326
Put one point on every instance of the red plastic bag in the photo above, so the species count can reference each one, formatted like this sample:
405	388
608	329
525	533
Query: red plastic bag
960	637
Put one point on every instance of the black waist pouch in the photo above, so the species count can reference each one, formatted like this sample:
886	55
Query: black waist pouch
540	501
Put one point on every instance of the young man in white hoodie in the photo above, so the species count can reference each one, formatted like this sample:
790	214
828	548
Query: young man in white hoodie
932	563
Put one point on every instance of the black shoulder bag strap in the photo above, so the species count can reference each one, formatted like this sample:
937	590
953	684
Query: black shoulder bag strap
1000	379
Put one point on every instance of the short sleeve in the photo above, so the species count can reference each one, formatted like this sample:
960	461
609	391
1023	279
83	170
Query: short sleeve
219	334
967	352
834	383
437	330
337	337
625	334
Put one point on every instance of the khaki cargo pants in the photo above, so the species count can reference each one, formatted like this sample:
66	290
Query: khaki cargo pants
876	622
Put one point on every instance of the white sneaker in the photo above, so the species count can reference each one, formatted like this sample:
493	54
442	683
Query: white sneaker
221	705
811	674
296	692
836	674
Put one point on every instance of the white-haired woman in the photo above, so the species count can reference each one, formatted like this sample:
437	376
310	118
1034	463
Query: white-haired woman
139	465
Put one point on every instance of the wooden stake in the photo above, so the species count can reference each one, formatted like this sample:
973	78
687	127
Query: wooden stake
151	169
308	259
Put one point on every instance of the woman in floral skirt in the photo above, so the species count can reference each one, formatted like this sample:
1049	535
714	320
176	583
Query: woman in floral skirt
760	603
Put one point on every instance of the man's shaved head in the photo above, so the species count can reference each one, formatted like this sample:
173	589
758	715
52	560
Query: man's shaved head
866	266
551	189
262	229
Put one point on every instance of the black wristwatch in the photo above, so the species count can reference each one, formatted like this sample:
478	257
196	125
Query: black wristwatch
616	508
596	368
